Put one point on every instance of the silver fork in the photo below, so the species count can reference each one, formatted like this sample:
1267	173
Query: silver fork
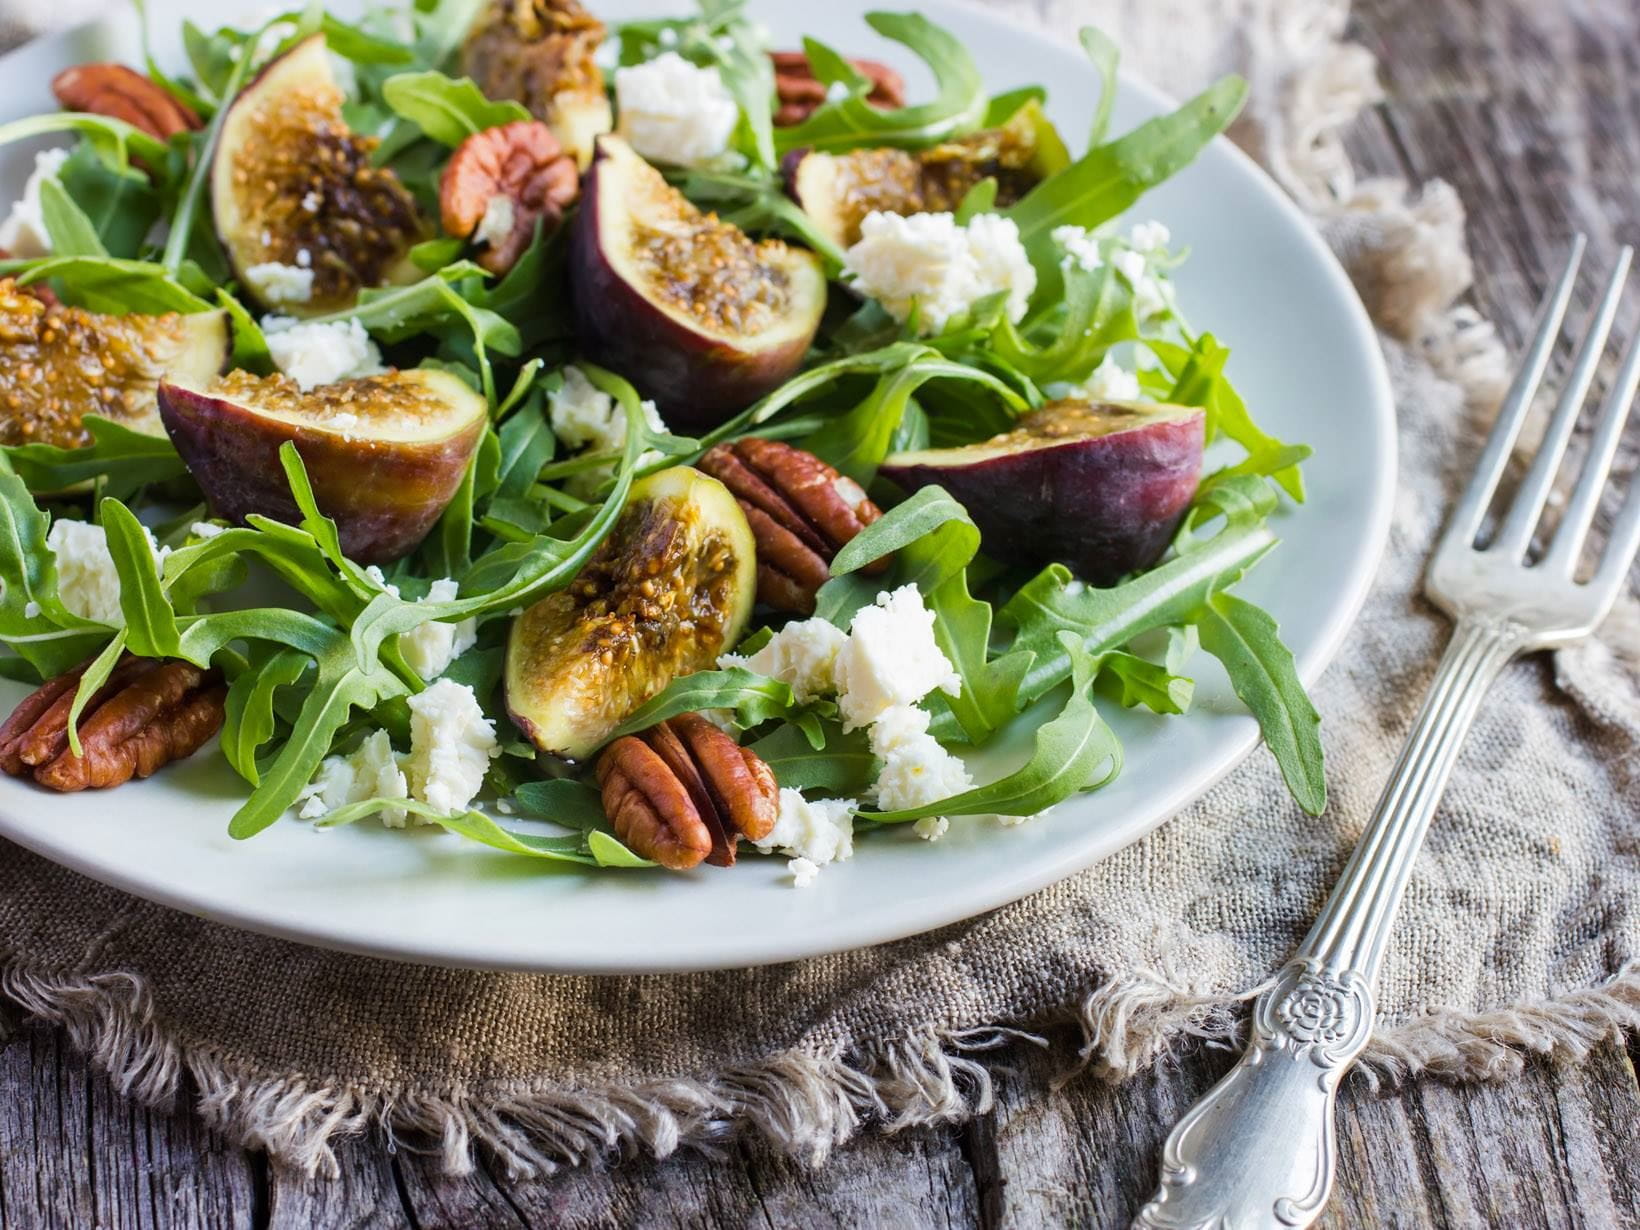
1259	1148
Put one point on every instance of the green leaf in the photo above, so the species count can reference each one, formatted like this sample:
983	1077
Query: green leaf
1131	681
361	47
72	233
250	347
844	766
109	284
1245	639
249	722
447	110
114	141
752	697
150	624
958	105
33	620
102	666
608	852
1106	56
527	444
124	461
1074	751
122	205
564	801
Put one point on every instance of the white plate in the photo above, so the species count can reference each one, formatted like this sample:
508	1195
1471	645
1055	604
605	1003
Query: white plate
1305	357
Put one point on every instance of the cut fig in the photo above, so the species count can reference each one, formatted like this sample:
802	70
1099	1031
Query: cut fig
670	590
700	317
1099	487
59	364
838	190
294	193
541	53
384	454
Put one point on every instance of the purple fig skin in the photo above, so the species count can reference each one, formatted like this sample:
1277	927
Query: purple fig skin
695	380
384	496
1102	505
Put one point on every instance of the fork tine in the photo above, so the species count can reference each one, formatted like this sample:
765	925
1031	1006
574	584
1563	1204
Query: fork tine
1621	549
1516	533
1580	509
1470	510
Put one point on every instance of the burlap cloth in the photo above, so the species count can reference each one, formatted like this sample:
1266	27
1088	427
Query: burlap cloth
1520	933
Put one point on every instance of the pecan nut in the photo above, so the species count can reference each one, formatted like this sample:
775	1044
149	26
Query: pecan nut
122	93
684	792
500	182
800	92
802	513
148	713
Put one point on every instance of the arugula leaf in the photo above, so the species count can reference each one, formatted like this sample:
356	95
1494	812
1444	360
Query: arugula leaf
249	722
1106	57
1245	639
114	141
449	110
958	105
102	666
844	766
360	46
122	205
71	232
250	346
150	624
753	698
564	801
111	284
1069	753
1131	681
1097	313
33	620
124	461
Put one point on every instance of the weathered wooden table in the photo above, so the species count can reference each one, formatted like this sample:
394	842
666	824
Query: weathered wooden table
1532	109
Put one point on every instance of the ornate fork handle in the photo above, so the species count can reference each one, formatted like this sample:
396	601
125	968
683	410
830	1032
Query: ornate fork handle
1259	1148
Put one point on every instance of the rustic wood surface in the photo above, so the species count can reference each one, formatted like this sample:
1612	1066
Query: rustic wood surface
1531	108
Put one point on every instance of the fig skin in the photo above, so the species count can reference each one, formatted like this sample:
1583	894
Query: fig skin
384	494
1100	488
561	692
696	378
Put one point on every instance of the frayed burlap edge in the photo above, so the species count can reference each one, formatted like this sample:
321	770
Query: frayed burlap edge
802	1103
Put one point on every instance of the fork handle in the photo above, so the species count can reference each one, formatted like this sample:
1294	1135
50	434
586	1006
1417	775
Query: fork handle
1259	1148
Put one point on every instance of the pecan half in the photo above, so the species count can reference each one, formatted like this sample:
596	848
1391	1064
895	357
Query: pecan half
148	713
515	172
802	513
122	93
684	792
800	93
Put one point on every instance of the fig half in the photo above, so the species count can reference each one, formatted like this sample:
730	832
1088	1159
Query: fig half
1099	487
384	454
838	190
669	590
293	192
59	364
700	317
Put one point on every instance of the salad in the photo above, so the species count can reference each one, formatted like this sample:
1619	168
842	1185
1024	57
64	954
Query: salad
616	446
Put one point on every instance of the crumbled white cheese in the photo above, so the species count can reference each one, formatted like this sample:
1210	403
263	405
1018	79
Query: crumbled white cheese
504	807
1149	237
314	353
205	529
430	648
23	234
1009	822
1081	248
496	226
31	609
451	745
803	654
891	658
821	831
931	828
672	111
837	91
370	771
584	416
928	262
803	872
1150	293
87	581
916	769
277	283
1110	381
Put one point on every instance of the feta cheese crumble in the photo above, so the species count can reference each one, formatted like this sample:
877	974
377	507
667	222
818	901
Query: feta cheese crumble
928	262
803	872
451	745
802	655
31	609
23	233
916	769
370	771
584	416
891	658
1110	381
821	831
87	581
672	111
1081	248
496	226
314	353
429	648
205	529
931	828
276	283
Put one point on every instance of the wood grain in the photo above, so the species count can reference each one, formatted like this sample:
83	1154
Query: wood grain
1531	109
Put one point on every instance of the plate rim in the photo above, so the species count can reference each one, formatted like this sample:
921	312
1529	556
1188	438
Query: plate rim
847	934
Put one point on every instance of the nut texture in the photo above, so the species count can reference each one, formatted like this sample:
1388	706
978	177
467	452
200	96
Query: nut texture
122	93
802	512
148	713
684	792
522	162
800	93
